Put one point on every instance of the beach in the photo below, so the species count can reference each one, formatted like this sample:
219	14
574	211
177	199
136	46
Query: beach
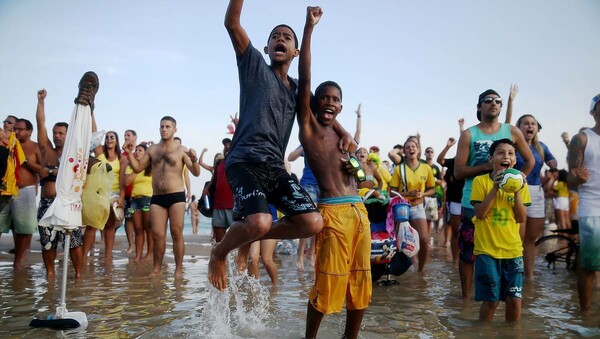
121	300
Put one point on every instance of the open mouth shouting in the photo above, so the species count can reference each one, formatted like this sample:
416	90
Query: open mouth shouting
280	49
504	165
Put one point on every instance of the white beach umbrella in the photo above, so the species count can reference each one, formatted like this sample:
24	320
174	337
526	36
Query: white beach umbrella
64	215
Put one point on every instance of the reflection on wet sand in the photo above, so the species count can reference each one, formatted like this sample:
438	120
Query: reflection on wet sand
121	300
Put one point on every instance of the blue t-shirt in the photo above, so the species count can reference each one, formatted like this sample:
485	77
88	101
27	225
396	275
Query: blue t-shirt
267	113
534	177
480	153
308	177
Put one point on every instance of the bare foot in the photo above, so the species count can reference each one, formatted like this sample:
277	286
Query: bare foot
216	272
178	272
50	274
147	257
155	273
130	250
312	258
300	263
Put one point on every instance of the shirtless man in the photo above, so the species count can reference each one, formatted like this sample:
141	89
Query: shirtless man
345	273
168	201
27	183
49	168
194	214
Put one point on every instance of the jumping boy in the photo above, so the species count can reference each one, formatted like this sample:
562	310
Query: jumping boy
498	247
255	164
342	268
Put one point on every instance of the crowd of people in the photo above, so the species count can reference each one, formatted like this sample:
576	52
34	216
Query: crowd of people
254	199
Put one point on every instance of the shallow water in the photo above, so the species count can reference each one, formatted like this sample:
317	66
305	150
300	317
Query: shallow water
124	302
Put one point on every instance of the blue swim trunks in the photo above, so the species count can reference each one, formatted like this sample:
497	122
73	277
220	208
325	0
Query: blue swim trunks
495	279
589	243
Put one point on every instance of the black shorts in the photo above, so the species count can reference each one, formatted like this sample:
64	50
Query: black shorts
256	185
166	200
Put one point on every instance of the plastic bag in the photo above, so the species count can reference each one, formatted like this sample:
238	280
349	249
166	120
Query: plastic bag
431	209
95	198
408	239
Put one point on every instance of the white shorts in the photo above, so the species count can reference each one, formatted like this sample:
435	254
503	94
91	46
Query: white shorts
537	208
561	203
455	208
417	212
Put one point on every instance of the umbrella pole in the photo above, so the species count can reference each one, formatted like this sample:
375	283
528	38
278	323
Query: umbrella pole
62	308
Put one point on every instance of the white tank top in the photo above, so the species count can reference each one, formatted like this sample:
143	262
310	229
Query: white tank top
589	192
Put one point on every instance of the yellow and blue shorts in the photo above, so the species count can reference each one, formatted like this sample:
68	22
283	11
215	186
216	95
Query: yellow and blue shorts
343	264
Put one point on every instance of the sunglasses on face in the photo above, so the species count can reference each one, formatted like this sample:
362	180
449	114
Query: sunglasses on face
488	100
428	151
360	175
8	122
110	137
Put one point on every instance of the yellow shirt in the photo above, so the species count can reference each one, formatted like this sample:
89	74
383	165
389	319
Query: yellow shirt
498	234
116	169
420	179
561	189
16	158
385	176
142	184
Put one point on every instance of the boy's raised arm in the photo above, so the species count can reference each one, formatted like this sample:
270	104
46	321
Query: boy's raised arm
313	15
237	33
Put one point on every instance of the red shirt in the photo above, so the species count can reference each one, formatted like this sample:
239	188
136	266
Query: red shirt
223	199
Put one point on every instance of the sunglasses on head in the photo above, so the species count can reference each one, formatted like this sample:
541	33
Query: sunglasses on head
360	174
488	100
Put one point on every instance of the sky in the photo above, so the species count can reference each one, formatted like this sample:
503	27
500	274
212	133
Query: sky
415	66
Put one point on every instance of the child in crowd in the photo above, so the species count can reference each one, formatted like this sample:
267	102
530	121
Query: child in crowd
498	247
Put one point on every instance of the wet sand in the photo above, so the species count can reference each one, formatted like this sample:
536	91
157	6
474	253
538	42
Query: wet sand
121	300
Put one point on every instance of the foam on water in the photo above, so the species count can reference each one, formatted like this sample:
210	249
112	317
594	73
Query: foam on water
240	310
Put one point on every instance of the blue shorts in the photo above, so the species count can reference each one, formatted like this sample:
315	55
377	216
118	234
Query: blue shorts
589	243
495	279
466	236
255	185
312	190
141	203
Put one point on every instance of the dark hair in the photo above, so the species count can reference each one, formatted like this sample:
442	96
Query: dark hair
288	27
61	124
148	170
169	118
131	131
28	124
320	90
117	147
12	116
179	139
499	142
562	175
193	197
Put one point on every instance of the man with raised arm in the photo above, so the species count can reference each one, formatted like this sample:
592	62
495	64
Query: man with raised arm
168	200
343	268
255	164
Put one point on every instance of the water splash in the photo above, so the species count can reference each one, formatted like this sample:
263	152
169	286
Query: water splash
241	310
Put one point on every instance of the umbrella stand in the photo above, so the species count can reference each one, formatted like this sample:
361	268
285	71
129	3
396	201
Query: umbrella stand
63	319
